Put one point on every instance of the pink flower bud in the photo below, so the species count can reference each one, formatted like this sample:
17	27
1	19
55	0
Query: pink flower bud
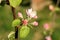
25	22
48	38
46	26
35	17
51	7
20	15
35	23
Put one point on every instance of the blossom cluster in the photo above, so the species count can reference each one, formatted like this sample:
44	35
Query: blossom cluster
31	14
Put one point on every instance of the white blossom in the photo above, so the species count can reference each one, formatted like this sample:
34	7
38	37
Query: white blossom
31	13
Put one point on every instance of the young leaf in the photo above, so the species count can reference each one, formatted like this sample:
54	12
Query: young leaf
11	35
15	3
24	31
16	22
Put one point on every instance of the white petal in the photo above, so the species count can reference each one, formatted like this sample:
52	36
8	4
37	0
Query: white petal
29	10
33	14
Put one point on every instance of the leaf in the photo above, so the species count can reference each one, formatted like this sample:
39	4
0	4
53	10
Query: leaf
15	3
11	35
16	22
24	31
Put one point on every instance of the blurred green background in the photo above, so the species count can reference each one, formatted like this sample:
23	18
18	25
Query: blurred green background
6	19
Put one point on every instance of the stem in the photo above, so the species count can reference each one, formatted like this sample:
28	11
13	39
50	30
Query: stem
14	17
16	28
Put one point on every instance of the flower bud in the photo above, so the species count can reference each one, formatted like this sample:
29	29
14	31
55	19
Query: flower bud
48	38
46	26
51	7
35	23
35	17
20	15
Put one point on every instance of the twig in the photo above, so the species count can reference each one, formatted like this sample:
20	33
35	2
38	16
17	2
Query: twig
14	17
16	28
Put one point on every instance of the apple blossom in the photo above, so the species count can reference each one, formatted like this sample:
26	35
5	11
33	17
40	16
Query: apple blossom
20	15
46	26
51	7
25	22
31	13
35	23
48	38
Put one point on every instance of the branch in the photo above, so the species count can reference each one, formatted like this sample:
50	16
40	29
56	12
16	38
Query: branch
14	17
16	28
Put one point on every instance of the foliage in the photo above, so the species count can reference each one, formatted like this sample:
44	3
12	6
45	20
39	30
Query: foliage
15	3
15	23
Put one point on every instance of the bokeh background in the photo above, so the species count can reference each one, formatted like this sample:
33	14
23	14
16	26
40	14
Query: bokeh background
6	19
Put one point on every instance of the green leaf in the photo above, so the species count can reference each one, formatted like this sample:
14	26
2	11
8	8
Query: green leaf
16	22
15	3
24	31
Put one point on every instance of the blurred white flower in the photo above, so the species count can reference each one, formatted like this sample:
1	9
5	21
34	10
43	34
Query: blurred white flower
31	13
48	38
11	33
20	15
51	7
35	23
